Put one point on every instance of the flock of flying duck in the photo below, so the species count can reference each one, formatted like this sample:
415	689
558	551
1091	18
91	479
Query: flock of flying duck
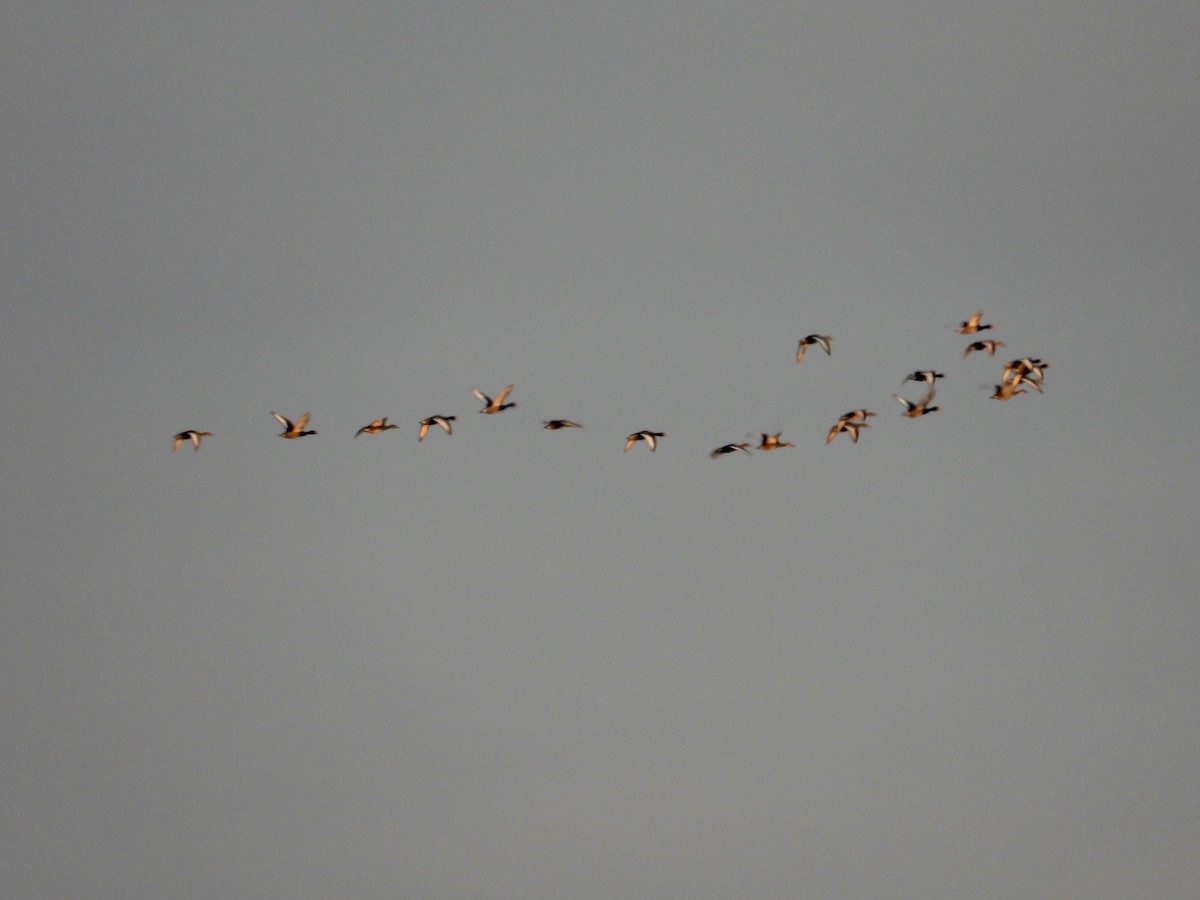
1026	371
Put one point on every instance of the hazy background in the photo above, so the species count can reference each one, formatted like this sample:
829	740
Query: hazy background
958	659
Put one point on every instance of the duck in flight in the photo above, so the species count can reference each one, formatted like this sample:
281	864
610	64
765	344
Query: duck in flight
730	448
772	442
556	424
375	427
442	422
972	324
850	426
821	340
491	406
928	376
989	346
856	416
918	409
190	435
293	431
650	437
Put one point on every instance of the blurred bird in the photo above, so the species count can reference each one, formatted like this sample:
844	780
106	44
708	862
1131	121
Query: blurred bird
730	448
556	424
918	409
772	442
1006	391
972	325
189	435
821	340
648	436
442	422
928	376
293	431
375	427
989	346
850	427
855	415
491	406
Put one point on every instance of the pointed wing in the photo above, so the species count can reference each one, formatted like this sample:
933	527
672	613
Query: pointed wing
303	422
504	395
483	398
282	421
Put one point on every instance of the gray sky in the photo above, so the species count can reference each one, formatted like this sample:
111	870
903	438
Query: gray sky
957	659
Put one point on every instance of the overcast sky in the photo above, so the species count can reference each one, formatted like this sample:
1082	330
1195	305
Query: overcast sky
956	659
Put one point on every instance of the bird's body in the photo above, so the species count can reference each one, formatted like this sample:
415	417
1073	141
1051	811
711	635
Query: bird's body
730	448
650	437
920	408
1027	370
856	415
491	406
972	324
927	376
190	435
1007	391
821	340
375	427
556	424
442	422
772	442
849	426
989	346
293	431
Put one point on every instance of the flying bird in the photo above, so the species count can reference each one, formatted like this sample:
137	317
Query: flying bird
972	324
491	406
556	424
730	448
989	346
772	442
375	427
293	431
1007	391
650	437
821	340
928	376
190	435
855	415
442	422
849	426
920	408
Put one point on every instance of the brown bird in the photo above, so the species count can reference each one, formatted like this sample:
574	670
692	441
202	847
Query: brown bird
650	437
730	448
1006	391
375	427
855	415
850	427
442	422
920	408
1029	371
972	325
556	424
189	435
989	346
293	431
772	442
928	376
821	340
491	406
